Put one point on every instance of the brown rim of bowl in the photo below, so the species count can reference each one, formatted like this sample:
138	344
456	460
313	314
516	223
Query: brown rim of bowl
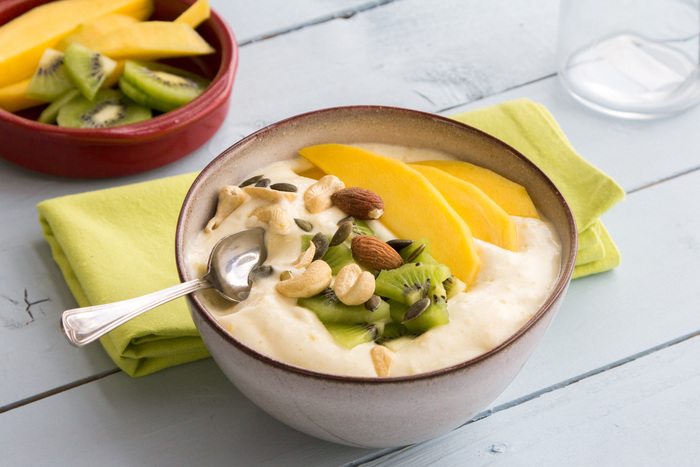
560	287
168	122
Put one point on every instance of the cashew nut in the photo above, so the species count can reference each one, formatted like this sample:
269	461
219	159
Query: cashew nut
306	257
317	197
382	359
315	279
267	194
353	286
230	198
278	218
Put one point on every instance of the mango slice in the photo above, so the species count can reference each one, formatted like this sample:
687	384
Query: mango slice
512	197
486	219
24	39
152	40
13	99
87	33
195	14
414	207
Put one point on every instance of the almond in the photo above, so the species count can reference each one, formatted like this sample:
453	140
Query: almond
373	253
359	202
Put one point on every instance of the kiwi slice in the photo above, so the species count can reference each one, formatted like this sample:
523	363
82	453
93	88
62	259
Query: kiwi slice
330	310
48	115
435	314
87	69
417	252
412	282
109	108
337	257
164	87
453	286
49	80
360	227
351	335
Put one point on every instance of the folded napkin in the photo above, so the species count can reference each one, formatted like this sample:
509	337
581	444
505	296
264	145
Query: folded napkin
531	129
118	243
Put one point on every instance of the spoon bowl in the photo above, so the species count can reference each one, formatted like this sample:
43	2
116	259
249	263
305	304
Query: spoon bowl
232	260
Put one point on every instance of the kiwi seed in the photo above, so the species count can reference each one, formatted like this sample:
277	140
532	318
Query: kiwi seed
284	187
303	224
342	233
251	180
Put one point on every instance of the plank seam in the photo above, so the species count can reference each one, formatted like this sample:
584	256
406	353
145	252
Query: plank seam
58	390
534	395
344	14
657	182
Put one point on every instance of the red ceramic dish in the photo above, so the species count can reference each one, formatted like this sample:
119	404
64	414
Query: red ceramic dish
128	149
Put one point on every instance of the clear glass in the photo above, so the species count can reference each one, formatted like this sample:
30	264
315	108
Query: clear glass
631	58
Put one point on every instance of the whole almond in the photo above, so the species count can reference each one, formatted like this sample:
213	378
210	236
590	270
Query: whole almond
359	202
373	253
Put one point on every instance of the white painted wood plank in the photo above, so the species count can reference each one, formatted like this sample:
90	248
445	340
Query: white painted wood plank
190	415
604	319
643	413
254	20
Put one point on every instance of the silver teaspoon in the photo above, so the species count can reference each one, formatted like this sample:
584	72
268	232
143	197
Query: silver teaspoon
231	261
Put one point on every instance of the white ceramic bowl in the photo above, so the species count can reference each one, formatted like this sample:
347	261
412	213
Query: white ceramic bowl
373	412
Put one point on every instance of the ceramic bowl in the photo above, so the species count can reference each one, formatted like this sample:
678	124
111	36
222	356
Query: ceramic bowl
372	412
128	149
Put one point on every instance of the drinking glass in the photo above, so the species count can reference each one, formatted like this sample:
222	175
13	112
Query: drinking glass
631	58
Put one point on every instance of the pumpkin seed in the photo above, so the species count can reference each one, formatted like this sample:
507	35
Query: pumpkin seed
341	234
320	241
251	180
284	187
263	182
414	254
373	303
415	310
399	244
304	225
286	275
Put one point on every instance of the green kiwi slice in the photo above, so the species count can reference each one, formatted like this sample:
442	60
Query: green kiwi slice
436	314
49	81
330	310
165	87
352	335
412	282
417	252
453	286
109	108
87	69
338	257
49	114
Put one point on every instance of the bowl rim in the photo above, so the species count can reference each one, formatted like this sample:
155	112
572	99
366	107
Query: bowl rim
559	288
162	125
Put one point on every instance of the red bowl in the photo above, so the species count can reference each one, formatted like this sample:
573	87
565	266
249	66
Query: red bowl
128	149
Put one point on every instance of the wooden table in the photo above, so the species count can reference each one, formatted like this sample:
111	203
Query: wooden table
616	381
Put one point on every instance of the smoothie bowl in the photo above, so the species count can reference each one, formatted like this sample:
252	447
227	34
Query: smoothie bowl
381	317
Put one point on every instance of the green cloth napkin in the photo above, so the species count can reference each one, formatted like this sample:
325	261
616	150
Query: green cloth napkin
118	243
531	129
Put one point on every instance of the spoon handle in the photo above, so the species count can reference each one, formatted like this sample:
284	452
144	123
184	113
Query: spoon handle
83	325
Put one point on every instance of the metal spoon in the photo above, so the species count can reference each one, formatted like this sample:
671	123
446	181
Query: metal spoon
231	261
